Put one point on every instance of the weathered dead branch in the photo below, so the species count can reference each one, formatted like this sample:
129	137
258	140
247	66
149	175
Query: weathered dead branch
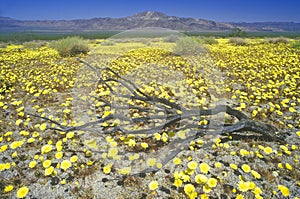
158	115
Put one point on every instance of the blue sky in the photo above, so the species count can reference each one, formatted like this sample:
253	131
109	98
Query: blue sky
217	10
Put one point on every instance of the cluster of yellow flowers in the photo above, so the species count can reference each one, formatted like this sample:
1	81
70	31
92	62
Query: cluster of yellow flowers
263	79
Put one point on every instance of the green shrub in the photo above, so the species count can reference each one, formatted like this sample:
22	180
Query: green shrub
209	40
34	44
3	45
107	43
276	40
71	46
296	44
188	46
171	38
237	41
237	32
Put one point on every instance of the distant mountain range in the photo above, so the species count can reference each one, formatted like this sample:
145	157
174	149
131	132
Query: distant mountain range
143	20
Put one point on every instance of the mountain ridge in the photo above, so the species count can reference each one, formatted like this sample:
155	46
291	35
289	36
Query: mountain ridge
143	20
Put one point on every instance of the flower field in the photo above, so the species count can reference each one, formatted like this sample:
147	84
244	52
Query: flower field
46	151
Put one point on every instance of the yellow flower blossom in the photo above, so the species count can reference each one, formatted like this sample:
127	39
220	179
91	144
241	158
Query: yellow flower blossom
151	162
8	188
246	168
177	182
204	167
107	169
43	126
153	185
74	158
59	155
65	164
192	165
201	179
255	174
46	148
32	164
144	145
243	186
212	182
233	166
268	150
46	163
22	192
176	161
49	171
284	190
189	189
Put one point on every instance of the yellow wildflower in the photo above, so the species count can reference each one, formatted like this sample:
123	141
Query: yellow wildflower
204	167
284	190
212	182
151	162
246	168
32	164
49	171
153	185
8	188
46	148
189	189
201	179
144	145
243	186
65	164
46	163
192	165
22	192
176	161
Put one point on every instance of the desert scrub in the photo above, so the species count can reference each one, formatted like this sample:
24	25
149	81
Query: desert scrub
209	40
107	43
71	46
276	40
296	44
237	41
188	46
171	38
34	44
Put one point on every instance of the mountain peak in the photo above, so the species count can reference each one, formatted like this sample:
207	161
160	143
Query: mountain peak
152	15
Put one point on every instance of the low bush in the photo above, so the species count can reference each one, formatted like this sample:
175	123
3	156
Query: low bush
277	40
209	40
71	46
34	44
171	38
296	44
237	41
107	43
3	45
188	46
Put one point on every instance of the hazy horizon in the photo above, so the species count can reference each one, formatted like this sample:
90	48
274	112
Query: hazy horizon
215	10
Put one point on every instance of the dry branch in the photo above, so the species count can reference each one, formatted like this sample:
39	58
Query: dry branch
169	121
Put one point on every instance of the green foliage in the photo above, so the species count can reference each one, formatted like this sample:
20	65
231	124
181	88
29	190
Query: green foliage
107	43
276	40
188	46
296	44
237	41
171	38
209	40
71	46
237	32
3	45
34	44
